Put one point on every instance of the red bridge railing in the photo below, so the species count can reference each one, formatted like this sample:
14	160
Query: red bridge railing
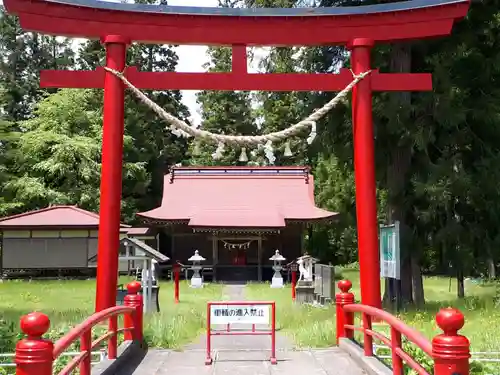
36	355
450	351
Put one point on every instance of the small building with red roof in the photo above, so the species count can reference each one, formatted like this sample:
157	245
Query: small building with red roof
58	237
237	217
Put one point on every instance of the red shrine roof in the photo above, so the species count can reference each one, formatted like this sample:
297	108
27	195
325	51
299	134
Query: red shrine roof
54	216
237	197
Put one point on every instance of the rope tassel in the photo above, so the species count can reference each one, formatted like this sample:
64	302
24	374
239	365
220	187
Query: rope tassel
218	154
243	155
196	149
269	152
288	151
312	134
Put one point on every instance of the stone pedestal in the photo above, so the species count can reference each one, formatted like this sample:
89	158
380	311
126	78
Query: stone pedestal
196	282
304	292
277	282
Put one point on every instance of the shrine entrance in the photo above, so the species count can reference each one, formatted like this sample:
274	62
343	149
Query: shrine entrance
358	28
239	258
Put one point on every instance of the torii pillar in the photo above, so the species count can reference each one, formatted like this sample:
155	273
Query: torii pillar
364	174
111	174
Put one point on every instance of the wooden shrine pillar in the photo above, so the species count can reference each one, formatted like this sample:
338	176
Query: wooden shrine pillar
172	251
259	258
302	234
215	256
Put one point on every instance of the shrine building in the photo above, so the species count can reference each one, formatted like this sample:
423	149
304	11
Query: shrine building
236	217
58	239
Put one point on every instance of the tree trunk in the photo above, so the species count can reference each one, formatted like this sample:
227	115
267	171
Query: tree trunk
492	272
406	279
417	281
397	171
460	282
386	303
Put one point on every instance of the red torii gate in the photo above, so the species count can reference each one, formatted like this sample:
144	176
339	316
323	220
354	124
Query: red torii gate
117	25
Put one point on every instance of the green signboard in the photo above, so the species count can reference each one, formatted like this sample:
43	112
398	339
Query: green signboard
389	251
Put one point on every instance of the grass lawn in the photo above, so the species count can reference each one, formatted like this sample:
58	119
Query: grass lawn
315	326
69	302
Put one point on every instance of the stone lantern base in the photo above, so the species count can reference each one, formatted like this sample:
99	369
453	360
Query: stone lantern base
304	292
196	282
277	282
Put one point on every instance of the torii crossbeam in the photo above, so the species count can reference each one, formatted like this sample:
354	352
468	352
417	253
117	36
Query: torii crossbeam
119	24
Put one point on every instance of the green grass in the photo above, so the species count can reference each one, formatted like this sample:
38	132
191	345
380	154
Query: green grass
68	302
307	326
315	326
311	326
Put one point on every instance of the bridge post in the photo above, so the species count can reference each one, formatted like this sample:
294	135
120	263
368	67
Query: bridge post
294	280
34	354
176	268
344	297
135	300
450	350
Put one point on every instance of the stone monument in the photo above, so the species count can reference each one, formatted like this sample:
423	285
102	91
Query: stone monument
324	283
305	287
196	281
277	281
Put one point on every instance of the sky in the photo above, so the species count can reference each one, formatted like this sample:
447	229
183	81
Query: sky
192	58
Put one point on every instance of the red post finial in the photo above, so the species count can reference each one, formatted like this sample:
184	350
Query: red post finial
34	354
344	285
35	324
450	350
450	320
134	287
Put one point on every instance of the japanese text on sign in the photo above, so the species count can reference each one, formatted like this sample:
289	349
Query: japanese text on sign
252	314
389	251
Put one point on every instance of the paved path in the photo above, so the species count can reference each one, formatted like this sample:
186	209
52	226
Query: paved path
245	355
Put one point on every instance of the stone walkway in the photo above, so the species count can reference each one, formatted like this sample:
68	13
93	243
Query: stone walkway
245	355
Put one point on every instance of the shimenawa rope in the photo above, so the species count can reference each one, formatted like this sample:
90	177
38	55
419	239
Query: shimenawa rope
242	140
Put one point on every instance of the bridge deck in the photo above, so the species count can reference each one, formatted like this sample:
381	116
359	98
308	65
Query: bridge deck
246	362
244	355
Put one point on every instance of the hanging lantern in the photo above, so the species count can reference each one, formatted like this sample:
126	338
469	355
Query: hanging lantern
288	152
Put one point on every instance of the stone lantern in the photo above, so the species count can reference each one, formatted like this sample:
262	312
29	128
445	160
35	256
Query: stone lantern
277	281
196	281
